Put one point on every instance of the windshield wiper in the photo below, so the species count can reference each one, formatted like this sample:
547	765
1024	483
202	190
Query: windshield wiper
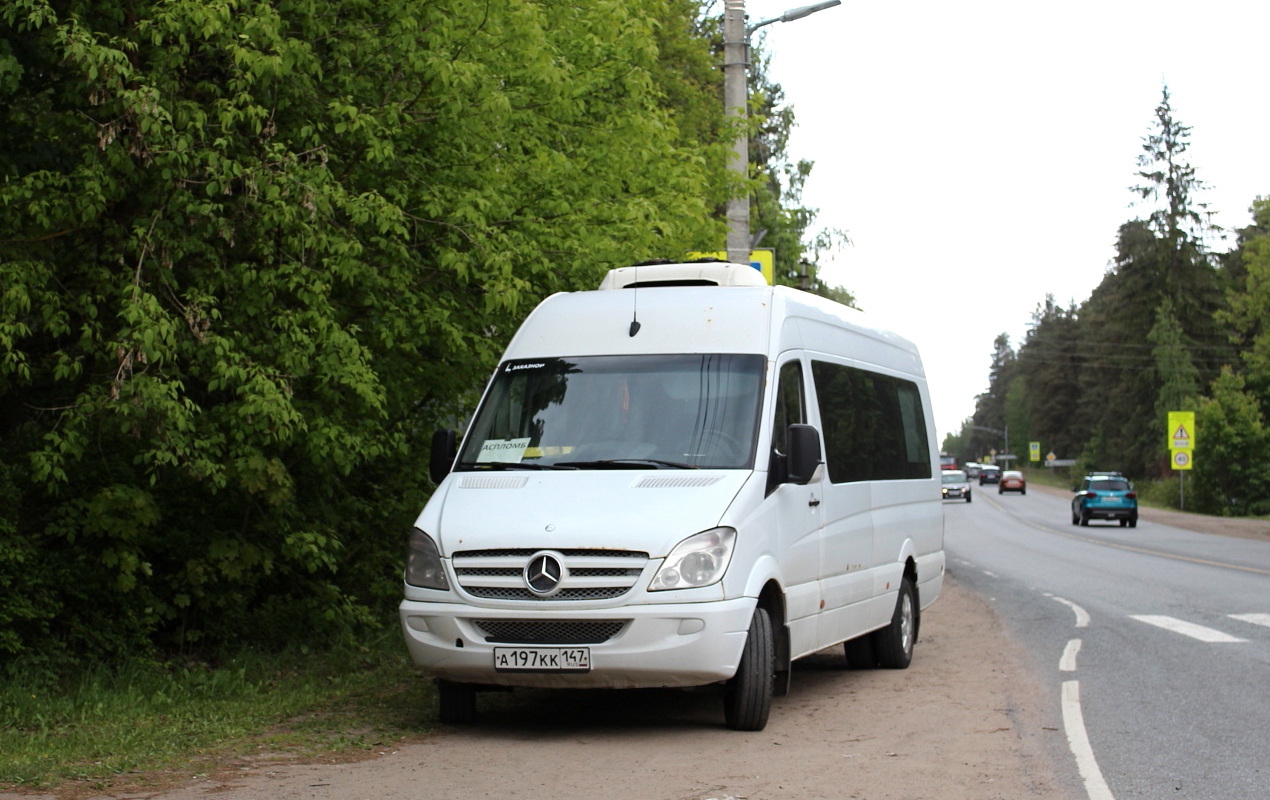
627	463
497	465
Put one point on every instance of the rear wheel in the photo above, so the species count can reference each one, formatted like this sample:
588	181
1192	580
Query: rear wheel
967	497
748	698
894	643
456	702
1133	522
1084	517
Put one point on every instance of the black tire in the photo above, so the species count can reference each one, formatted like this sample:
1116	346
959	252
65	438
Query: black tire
1133	522
1023	491
456	702
1124	523
748	699
1084	518
894	643
1075	519
967	497
860	653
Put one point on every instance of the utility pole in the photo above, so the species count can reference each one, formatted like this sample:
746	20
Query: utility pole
736	62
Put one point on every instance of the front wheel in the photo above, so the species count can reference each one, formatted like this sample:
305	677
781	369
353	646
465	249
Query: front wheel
748	698
894	643
967	497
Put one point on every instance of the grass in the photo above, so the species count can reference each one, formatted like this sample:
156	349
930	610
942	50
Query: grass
144	723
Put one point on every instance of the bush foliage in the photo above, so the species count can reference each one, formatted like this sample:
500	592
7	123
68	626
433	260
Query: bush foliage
253	253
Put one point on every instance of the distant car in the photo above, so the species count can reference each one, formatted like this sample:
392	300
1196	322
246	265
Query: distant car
955	485
973	469
1012	481
989	473
1105	495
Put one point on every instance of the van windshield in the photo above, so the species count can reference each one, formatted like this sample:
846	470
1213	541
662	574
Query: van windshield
619	412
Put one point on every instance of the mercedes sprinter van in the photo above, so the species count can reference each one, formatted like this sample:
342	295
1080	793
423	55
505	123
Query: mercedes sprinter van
684	478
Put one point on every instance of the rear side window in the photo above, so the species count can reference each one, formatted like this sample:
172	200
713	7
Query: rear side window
873	425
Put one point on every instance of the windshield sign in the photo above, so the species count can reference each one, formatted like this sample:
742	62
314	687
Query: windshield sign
619	412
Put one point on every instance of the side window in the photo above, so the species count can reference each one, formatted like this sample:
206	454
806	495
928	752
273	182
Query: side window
873	424
791	407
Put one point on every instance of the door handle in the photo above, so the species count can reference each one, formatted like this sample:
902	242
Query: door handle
813	502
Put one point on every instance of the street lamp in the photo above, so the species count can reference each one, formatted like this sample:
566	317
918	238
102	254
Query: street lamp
736	59
998	432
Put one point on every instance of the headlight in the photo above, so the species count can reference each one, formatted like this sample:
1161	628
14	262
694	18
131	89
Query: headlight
699	560
423	563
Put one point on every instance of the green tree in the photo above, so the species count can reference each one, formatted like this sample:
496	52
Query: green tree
1248	314
252	253
1179	379
1231	472
990	407
1050	364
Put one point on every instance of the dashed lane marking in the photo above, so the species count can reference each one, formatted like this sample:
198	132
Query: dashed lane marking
1255	619
1068	662
1078	740
1187	628
1082	616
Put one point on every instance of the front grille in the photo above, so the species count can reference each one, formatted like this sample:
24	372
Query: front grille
528	631
510	593
591	574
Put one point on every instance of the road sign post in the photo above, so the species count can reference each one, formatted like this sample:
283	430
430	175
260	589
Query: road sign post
1181	436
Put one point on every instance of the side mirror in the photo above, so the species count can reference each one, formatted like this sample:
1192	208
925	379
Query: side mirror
804	453
444	450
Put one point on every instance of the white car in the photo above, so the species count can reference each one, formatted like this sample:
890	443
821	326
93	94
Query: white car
956	486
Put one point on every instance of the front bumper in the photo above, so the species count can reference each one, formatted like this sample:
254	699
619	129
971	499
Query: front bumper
687	644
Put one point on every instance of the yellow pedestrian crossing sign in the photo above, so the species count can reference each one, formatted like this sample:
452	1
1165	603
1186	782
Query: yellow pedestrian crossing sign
1181	435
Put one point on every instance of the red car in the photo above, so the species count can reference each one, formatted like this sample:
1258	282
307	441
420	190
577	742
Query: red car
1012	481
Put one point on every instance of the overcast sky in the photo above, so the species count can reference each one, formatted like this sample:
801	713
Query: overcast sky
979	154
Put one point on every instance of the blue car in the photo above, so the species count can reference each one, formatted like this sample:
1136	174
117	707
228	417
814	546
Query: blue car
1105	495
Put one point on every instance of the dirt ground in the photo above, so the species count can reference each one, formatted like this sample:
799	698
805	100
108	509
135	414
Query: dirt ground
967	721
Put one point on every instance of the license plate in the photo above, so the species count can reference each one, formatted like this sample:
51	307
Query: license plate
542	659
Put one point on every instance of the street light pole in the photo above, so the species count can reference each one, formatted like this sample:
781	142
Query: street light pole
736	61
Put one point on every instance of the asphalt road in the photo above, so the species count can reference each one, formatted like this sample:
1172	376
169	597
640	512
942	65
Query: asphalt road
1155	640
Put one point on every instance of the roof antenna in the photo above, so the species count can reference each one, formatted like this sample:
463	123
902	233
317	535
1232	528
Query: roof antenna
635	303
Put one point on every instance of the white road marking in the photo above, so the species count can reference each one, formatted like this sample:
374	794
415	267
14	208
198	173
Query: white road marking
1068	662
1078	741
990	574
1187	628
1082	616
1255	619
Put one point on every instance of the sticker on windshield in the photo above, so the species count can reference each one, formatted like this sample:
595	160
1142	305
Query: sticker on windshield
503	450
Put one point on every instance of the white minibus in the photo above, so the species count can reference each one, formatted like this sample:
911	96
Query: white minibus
684	478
